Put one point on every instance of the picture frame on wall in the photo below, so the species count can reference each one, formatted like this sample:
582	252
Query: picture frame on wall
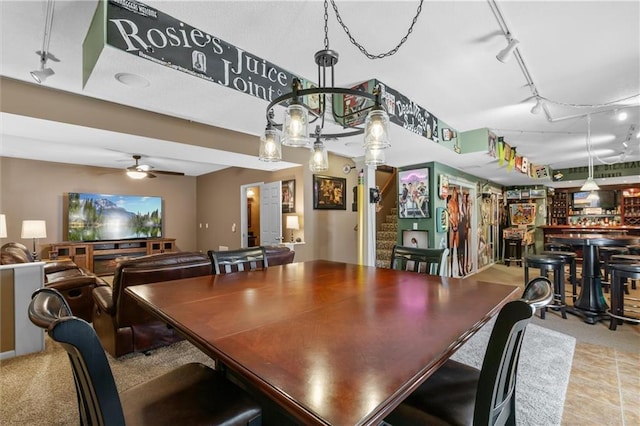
329	193
289	196
414	198
415	238
447	134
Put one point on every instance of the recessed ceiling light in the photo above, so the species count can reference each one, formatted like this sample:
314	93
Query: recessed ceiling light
132	80
622	115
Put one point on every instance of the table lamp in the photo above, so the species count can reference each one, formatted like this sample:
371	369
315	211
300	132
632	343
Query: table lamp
34	229
3	226
292	223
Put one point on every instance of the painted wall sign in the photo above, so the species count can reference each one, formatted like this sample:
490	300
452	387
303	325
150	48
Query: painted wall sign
630	168
153	35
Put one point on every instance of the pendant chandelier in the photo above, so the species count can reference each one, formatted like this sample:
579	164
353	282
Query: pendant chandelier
293	130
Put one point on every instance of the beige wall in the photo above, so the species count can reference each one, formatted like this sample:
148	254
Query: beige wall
35	189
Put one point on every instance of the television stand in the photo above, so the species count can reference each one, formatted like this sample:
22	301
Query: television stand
100	257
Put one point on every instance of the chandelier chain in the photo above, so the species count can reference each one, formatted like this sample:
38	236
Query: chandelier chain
326	25
361	47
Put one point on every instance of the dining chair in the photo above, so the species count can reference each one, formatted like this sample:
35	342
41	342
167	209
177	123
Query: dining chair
428	261
190	394
245	259
458	394
538	292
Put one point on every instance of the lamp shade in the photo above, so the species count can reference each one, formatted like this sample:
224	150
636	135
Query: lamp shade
3	226
34	229
590	185
292	222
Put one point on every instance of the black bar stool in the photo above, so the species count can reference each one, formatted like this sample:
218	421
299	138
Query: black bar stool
626	259
569	258
556	247
512	251
619	274
605	254
634	249
545	264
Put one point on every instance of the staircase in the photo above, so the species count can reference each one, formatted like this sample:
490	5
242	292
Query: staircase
386	238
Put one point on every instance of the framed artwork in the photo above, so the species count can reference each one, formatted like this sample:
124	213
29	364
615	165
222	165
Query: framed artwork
522	214
447	134
329	193
413	238
413	192
289	196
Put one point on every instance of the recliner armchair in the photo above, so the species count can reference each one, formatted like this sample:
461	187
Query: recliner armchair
120	323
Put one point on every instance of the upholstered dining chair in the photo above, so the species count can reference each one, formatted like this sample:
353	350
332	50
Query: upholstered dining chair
429	261
245	259
190	394
457	394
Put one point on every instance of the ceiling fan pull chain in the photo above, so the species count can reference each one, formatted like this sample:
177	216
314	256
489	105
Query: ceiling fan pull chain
361	47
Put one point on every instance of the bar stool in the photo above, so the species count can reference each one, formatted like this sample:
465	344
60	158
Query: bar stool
634	249
569	258
619	274
545	264
605	254
556	247
626	259
512	251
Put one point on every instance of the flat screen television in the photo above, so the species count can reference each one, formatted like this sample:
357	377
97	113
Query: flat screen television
606	199
98	217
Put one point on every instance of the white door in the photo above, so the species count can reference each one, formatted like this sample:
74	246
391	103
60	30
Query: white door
271	213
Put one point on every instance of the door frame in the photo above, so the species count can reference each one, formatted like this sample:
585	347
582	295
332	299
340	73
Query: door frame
244	222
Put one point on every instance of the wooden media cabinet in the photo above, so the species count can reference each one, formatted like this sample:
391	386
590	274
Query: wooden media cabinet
100	256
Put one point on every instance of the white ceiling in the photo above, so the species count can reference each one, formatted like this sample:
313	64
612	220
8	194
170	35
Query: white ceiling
577	52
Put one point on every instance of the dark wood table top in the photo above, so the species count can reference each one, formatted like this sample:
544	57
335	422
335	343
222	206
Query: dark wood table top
331	343
588	239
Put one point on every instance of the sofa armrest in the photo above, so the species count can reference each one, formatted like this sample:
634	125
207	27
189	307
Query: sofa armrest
103	296
72	282
60	265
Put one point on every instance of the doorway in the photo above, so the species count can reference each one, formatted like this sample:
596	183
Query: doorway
260	214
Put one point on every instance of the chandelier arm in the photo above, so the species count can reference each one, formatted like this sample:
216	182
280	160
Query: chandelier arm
361	47
353	112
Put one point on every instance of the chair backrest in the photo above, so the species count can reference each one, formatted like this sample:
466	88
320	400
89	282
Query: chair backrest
98	399
538	292
495	398
245	259
428	261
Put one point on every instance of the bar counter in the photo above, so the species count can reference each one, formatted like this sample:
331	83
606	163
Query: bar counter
593	229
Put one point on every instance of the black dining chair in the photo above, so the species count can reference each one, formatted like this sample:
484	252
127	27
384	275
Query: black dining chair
190	394
245	259
428	261
457	394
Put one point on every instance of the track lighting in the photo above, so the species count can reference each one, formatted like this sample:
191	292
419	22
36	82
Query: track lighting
537	107
622	115
505	54
43	73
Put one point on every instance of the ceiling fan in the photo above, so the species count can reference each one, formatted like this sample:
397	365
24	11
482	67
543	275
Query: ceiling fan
142	171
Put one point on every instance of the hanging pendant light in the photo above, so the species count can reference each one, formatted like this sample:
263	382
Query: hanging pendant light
270	145
376	131
589	184
374	157
319	161
296	121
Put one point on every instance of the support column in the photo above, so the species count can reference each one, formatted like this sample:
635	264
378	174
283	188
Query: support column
366	214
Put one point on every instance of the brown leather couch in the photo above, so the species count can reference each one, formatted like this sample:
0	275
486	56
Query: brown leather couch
121	324
279	255
74	283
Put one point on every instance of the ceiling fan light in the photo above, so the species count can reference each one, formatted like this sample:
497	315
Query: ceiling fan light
270	146
136	174
319	161
295	126
505	54
589	185
376	131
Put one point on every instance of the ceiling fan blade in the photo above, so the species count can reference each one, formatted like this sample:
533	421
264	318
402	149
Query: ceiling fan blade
151	175
166	172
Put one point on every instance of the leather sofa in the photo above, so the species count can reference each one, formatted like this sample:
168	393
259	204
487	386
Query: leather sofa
279	255
121	324
74	283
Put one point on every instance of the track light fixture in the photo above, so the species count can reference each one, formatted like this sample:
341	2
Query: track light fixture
537	108
41	74
505	54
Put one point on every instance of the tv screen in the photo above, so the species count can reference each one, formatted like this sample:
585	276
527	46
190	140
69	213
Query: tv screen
96	217
605	199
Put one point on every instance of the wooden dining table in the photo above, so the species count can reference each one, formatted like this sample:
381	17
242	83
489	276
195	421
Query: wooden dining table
328	343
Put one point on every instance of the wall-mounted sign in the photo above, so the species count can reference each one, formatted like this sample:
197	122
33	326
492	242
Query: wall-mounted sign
443	187
442	219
